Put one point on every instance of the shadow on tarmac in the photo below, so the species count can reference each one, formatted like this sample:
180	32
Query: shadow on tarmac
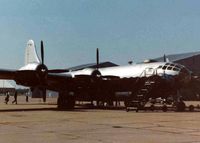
30	109
76	109
80	108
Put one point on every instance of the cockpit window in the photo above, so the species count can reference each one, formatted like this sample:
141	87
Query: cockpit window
175	69
164	67
169	68
167	64
159	67
172	65
177	66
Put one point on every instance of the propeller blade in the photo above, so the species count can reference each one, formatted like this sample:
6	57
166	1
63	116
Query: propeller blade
42	52
97	58
164	58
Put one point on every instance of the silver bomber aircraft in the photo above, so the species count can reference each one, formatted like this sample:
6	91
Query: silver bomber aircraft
97	84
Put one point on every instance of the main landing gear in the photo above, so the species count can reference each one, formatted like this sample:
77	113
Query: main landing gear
65	101
178	106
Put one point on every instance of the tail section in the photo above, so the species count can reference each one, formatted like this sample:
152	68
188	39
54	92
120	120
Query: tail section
30	53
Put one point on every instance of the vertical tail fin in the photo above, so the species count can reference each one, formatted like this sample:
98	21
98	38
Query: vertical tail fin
30	53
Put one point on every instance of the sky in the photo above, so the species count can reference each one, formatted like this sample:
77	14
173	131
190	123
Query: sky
123	30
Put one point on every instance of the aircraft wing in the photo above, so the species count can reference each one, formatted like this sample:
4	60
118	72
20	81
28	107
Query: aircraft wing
7	74
93	65
58	82
54	81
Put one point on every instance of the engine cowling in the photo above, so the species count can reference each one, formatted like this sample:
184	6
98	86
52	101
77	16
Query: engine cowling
32	77
96	73
42	72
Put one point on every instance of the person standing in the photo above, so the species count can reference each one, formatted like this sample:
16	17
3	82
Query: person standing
15	98
27	97
7	97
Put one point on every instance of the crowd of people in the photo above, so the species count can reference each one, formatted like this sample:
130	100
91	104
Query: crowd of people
7	98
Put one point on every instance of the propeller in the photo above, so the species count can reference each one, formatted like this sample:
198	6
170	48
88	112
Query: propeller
96	72
37	77
97	59
43	68
42	52
164	58
43	71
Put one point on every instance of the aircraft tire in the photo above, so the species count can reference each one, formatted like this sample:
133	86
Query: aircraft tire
70	102
110	103
164	108
180	107
126	103
60	103
152	107
191	108
65	101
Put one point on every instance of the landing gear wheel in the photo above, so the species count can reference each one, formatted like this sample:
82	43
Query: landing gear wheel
180	106
126	103
191	108
164	108
60	102
152	107
109	103
65	101
70	102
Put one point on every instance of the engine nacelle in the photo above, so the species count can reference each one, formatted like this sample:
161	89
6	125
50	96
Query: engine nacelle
32	77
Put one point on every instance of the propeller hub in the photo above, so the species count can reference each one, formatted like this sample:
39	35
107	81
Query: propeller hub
96	73
42	70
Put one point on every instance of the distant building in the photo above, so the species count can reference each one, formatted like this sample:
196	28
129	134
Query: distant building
6	86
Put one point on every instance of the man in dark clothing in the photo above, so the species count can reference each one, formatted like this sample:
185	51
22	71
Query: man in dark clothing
7	97
26	97
15	98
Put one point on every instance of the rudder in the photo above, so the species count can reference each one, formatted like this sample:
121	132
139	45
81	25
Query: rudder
30	53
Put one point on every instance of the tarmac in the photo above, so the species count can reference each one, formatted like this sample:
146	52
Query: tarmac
36	122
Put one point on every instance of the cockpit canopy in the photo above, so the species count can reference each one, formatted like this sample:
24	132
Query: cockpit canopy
171	66
175	68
